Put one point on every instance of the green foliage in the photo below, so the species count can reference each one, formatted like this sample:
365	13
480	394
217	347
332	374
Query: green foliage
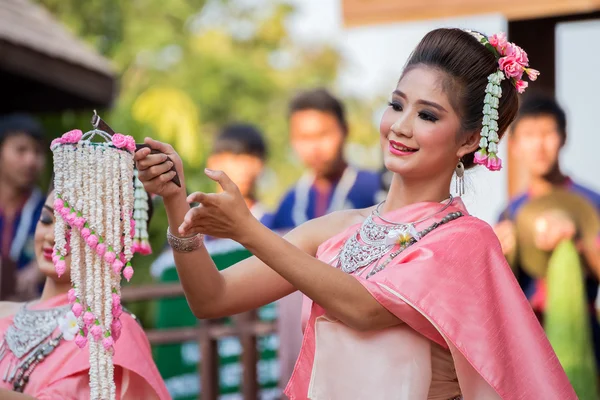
567	320
187	67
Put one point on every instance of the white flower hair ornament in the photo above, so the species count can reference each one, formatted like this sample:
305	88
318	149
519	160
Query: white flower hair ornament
94	197
512	64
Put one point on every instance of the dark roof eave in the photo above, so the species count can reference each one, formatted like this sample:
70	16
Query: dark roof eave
95	87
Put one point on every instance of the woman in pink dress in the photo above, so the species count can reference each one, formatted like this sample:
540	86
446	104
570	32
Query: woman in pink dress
411	299
38	358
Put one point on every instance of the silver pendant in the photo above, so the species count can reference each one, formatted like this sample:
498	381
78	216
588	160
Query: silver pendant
369	244
31	327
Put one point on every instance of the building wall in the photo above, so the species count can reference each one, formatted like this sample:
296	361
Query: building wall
577	89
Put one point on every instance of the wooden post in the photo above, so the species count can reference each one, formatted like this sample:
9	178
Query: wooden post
209	364
244	324
8	279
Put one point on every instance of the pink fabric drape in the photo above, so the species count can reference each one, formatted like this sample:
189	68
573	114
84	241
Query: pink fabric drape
466	299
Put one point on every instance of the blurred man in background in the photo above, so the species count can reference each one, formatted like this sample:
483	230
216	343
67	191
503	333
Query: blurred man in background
22	158
318	132
240	151
537	137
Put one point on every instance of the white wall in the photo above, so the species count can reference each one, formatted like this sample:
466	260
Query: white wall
578	86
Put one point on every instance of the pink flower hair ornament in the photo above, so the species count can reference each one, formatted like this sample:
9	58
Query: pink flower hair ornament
513	62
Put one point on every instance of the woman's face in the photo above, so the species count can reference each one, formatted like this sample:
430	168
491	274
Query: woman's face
419	129
44	243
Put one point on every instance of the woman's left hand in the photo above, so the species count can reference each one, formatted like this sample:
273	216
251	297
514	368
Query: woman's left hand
222	215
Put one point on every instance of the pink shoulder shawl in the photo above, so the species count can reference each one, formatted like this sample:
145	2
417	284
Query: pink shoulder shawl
467	300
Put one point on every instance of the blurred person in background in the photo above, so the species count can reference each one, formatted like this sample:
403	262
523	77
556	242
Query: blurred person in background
318	131
241	151
538	135
22	159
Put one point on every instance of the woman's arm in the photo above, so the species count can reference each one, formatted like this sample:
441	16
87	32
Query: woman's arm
244	286
340	294
282	266
210	293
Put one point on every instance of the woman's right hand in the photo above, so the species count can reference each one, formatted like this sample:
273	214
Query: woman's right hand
155	171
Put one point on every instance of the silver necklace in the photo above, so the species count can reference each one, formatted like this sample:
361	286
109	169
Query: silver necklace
29	340
380	266
373	240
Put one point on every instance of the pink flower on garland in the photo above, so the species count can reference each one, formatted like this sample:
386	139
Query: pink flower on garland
115	328
116	300
71	218
64	211
77	309
128	272
81	340
117	266
119	141
494	163
96	331
101	249
499	42
58	204
125	142
55	143
146	249
130	144
108	342
110	257
519	55
92	241
511	67
71	296
521	85
117	311
61	267
73	136
85	233
481	157
532	74
88	318
79	222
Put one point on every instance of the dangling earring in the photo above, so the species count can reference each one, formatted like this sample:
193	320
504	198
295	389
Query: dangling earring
460	178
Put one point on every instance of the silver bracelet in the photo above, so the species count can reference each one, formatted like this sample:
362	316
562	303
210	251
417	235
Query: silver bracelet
185	244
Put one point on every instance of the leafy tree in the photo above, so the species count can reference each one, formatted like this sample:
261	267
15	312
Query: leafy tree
187	67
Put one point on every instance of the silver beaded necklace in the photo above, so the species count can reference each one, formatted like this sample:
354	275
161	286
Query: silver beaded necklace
28	341
373	240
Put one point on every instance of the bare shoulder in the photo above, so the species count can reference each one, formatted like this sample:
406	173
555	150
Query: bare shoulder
310	235
8	308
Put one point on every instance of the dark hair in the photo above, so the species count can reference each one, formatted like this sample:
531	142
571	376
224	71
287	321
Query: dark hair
241	139
542	104
468	64
321	100
14	124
